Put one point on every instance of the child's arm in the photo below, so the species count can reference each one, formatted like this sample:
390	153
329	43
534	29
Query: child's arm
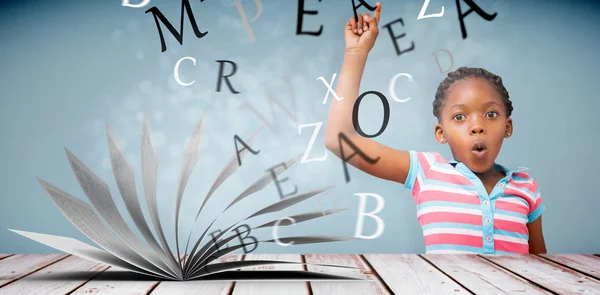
536	238
393	164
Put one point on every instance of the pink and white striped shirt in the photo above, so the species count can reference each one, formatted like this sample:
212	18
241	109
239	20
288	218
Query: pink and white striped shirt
457	214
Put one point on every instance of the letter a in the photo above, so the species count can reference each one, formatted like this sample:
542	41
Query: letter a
362	2
238	151
477	9
341	137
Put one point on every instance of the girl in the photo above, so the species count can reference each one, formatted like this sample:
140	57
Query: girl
466	205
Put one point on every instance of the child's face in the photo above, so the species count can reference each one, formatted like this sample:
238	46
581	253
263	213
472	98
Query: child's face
474	122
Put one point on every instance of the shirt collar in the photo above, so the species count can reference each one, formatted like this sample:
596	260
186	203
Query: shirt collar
498	167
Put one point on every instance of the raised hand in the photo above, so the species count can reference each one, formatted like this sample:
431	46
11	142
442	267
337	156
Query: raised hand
360	36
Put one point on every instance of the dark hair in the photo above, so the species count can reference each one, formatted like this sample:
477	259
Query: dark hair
464	73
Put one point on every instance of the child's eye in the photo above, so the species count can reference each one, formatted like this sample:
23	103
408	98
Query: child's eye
458	117
491	114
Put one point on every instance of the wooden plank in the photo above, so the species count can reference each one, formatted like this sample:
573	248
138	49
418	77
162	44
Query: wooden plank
585	263
260	288
61	277
198	287
551	276
372	285
410	274
118	281
480	276
15	267
2	256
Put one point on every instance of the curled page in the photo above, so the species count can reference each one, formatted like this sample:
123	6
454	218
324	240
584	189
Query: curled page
85	220
81	249
149	173
299	218
189	162
99	195
256	186
125	178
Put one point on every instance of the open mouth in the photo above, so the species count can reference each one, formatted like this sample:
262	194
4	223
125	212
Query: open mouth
479	149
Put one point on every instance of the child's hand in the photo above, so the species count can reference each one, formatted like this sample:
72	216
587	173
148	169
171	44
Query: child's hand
360	36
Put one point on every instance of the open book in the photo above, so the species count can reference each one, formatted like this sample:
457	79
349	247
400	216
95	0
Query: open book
122	248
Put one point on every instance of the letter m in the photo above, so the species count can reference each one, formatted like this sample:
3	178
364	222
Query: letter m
185	7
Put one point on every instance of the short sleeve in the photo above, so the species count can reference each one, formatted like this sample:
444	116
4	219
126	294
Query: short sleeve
537	208
415	166
420	164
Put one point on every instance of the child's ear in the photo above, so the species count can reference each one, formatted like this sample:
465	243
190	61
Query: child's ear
509	128
438	132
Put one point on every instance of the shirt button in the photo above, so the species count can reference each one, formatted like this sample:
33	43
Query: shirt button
486	203
502	185
489	239
487	220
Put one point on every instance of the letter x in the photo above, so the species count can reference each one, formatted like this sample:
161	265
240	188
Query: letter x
329	89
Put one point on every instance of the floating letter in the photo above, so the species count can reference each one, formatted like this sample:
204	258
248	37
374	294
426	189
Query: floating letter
311	142
361	214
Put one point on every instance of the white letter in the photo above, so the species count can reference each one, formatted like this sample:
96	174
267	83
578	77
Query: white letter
361	213
144	3
393	84
422	13
329	88
176	71
311	142
276	237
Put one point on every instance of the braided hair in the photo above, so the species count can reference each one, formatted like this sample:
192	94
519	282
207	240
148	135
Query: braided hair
464	73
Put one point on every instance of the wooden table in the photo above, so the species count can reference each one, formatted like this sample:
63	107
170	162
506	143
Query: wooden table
384	274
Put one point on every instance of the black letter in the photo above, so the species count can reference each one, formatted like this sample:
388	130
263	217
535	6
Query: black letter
362	2
185	6
277	181
235	140
212	235
301	13
226	77
474	7
255	243
394	38
386	114
351	144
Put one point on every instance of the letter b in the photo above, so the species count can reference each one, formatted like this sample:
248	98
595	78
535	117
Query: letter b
362	213
239	235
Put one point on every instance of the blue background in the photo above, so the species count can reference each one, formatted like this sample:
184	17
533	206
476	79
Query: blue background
70	68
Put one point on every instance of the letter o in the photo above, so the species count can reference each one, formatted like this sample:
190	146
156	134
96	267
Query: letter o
386	114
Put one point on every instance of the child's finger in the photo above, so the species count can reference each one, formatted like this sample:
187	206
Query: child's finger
366	18
352	24
360	24
373	26
377	11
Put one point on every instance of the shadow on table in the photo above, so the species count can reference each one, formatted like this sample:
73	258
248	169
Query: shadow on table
240	275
